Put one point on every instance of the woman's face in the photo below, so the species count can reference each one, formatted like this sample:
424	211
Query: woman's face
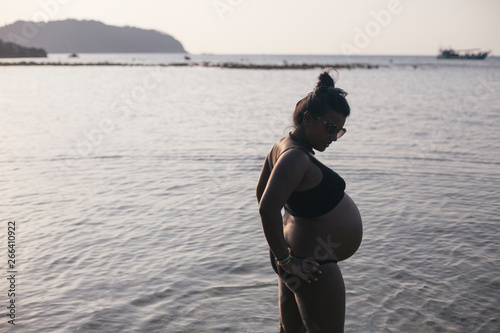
318	135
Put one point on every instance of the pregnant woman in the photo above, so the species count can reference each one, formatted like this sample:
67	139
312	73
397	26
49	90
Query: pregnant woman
321	224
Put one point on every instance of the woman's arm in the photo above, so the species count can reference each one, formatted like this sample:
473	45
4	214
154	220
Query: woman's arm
273	190
264	176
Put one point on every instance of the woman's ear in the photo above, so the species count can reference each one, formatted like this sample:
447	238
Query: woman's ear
307	118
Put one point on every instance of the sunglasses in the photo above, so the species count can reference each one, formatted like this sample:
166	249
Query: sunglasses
332	129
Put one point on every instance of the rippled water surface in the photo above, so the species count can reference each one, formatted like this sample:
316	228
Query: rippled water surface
132	189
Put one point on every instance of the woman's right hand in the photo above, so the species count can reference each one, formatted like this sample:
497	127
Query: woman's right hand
306	269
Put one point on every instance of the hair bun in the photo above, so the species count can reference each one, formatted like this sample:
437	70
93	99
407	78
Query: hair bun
325	80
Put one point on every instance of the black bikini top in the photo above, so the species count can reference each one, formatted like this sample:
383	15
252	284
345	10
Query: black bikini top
320	199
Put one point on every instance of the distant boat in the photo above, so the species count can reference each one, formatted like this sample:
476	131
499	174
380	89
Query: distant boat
462	54
73	55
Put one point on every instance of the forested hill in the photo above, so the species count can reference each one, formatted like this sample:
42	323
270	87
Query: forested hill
13	50
70	36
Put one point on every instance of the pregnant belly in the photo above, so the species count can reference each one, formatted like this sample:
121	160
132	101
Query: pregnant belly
335	235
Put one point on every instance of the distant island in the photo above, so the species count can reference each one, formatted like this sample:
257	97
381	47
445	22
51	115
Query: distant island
74	36
13	50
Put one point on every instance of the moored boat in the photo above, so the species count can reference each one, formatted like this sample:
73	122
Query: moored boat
462	54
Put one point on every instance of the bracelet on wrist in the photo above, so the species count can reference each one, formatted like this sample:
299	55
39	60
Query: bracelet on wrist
284	261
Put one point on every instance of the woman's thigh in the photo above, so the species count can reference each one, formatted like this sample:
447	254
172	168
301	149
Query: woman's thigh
322	303
290	319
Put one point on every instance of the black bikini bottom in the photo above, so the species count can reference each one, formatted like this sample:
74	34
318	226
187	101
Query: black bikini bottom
284	275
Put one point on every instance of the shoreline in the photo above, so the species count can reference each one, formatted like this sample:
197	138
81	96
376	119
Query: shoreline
231	65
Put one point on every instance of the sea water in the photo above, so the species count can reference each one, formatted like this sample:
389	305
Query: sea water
132	190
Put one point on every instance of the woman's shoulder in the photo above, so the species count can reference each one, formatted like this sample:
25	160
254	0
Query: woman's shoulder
287	151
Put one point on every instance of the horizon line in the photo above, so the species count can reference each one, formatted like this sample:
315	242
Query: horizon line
214	53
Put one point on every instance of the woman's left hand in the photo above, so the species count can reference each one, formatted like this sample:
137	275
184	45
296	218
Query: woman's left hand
306	269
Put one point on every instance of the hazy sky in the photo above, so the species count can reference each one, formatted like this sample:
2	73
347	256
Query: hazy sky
415	27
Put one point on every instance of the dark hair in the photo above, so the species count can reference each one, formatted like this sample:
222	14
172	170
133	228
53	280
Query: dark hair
323	98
